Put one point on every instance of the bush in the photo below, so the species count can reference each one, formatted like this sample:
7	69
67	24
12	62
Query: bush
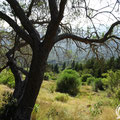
7	78
87	71
84	77
46	76
68	82
62	97
117	94
97	84
50	76
111	82
9	106
53	77
90	80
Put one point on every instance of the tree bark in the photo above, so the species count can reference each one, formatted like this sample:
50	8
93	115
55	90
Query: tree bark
35	78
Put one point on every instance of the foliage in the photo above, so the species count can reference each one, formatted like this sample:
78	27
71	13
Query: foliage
90	80
56	68
84	77
35	111
62	97
8	107
52	113
68	82
36	108
87	71
97	84
63	66
7	78
52	88
111	82
96	108
73	65
46	76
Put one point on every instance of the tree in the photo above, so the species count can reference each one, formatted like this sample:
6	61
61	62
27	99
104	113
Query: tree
77	66
73	65
25	18
63	66
56	68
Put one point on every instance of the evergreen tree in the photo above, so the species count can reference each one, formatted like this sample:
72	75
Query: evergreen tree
117	63
77	66
73	65
63	66
56	68
80	66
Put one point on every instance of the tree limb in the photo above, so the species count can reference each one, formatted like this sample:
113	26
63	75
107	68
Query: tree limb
62	8
17	29
30	8
24	19
1	69
84	40
53	9
56	17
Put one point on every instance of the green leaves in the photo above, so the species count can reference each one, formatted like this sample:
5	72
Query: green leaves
7	78
68	82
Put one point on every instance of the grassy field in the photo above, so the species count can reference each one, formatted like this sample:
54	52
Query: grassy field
88	105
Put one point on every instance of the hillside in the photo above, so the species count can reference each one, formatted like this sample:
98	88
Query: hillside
88	105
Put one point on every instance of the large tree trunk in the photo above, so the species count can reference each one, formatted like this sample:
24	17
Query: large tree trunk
35	78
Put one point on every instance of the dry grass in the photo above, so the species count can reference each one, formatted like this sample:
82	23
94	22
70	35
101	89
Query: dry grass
76	108
3	89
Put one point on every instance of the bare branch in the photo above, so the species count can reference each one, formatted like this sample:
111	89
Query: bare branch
62	8
1	69
30	8
84	40
24	19
111	28
17	29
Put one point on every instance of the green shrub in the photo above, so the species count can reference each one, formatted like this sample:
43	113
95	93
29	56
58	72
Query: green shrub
96	109
87	71
9	106
97	84
53	78
46	76
84	77
90	80
112	80
35	111
50	76
117	94
62	97
52	88
7	78
68	82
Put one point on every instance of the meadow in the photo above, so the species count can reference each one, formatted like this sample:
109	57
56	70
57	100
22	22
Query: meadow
75	92
87	105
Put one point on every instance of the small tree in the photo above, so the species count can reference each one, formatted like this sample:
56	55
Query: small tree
73	65
68	82
56	68
63	66
77	66
80	66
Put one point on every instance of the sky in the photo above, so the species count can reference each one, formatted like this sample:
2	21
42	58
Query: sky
100	18
104	18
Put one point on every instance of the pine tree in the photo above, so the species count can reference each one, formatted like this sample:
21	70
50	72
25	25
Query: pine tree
73	65
56	68
64	66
